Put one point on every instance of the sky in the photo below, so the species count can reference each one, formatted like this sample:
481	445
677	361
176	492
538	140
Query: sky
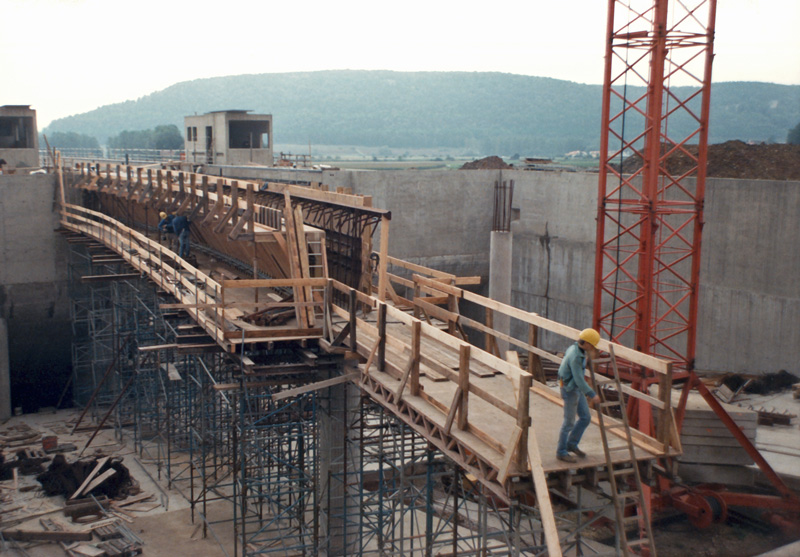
66	57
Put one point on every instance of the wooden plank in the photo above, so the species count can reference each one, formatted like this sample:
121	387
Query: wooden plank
92	474
274	333
103	278
100	479
273	283
316	386
543	495
502	474
46	536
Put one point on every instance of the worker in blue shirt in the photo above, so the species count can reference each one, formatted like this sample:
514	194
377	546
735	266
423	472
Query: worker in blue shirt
574	391
178	225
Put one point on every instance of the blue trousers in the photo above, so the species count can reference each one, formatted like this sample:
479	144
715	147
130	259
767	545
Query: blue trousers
572	431
183	243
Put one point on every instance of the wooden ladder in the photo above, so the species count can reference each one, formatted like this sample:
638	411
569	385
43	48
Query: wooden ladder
318	268
621	473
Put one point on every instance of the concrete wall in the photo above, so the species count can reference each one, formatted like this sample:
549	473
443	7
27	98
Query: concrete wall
34	300
439	219
749	291
750	277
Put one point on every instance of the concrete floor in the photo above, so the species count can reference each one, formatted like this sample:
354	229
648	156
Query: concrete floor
167	531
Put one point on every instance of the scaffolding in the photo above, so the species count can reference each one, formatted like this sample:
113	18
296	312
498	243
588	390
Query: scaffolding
388	492
329	471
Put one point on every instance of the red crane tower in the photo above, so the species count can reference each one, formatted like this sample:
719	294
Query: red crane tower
655	104
656	98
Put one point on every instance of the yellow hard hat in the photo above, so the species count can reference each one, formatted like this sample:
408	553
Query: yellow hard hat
162	214
591	336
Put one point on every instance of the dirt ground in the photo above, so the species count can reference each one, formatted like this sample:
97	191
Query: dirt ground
680	538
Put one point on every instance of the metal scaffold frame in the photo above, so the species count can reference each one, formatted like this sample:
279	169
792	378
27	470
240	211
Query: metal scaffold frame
390	493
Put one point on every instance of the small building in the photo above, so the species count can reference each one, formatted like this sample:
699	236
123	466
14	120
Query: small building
229	137
19	141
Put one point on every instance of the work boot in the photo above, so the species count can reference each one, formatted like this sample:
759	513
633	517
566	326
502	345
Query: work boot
579	453
566	458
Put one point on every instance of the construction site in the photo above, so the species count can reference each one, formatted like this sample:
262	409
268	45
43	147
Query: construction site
339	362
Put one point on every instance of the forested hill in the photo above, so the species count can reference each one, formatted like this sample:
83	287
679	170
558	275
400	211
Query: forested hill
487	113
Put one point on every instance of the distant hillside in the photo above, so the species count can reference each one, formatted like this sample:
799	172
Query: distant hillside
487	113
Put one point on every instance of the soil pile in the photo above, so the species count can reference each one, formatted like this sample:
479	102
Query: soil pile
736	159
764	384
488	163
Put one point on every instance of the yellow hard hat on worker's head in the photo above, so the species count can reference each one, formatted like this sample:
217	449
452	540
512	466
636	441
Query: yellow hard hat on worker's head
591	336
162	214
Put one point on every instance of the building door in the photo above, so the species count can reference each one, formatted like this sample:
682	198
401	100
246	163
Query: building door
209	145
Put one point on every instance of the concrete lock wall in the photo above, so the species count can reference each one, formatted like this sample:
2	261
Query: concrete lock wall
34	300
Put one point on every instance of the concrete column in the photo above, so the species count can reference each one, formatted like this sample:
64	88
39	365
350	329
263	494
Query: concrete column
5	375
500	264
334	417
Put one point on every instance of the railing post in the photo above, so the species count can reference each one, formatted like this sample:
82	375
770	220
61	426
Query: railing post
463	384
534	362
490	342
159	187
353	323
181	188
413	381
235	206
170	197
665	415
205	195
383	259
381	336
193	191
523	420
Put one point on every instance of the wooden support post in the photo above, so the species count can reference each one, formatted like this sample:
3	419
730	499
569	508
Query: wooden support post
463	384
234	202
251	209
205	195
452	306
491	341
181	197
328	309
193	191
665	416
534	361
416	328
159	188
352	308
170	197
382	337
417	295
383	257
523	420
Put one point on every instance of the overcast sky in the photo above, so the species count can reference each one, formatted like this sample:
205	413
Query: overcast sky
70	56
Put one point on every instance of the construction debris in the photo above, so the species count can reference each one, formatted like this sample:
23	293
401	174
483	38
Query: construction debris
62	478
762	384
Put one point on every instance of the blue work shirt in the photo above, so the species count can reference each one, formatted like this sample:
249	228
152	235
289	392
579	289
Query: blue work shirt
570	372
166	223
179	224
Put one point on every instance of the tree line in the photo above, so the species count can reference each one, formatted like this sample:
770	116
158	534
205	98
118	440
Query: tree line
161	137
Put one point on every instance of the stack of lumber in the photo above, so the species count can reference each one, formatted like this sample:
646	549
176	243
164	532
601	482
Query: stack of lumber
706	439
